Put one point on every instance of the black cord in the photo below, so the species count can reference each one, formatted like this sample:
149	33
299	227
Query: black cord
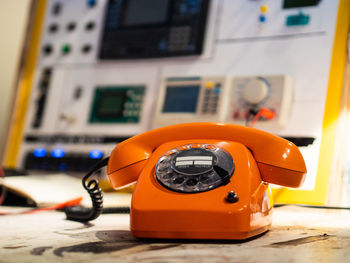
83	214
116	210
250	116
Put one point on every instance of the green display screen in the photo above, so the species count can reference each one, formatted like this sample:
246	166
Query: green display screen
111	104
117	104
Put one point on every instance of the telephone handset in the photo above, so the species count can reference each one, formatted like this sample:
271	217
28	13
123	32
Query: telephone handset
279	161
203	180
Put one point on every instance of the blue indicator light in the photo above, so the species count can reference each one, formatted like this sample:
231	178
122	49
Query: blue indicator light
57	153
39	152
262	19
91	3
95	154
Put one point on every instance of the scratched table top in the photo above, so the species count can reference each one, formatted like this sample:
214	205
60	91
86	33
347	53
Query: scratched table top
298	234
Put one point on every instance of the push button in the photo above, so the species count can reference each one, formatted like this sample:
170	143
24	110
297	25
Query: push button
47	49
53	28
66	49
264	9
71	26
90	26
231	197
262	18
86	48
91	3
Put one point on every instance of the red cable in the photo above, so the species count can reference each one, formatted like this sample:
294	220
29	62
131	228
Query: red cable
72	202
256	118
264	112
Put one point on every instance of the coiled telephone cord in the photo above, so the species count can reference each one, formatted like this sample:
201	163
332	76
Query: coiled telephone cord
83	214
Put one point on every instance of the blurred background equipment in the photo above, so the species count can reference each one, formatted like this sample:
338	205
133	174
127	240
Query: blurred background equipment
100	71
17	14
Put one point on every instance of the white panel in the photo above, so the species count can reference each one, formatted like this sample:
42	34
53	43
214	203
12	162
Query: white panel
61	99
301	58
240	19
236	45
80	14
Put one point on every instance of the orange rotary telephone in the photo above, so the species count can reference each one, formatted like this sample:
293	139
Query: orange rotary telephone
203	180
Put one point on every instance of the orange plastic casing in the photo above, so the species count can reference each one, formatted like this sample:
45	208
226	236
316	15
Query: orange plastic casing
161	213
157	212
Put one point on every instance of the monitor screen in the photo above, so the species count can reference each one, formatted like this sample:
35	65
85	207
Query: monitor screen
153	28
144	12
181	99
299	3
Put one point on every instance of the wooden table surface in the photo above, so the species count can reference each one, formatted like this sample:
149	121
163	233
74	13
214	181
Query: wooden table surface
298	234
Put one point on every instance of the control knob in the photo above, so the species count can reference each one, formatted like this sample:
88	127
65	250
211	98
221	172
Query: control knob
255	90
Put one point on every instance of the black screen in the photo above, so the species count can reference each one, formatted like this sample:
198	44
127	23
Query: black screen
181	99
143	12
299	3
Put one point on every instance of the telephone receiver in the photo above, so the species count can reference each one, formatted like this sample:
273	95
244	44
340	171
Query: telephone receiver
279	161
203	180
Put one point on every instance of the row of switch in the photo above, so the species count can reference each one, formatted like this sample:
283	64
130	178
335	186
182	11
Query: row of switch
54	28
48	49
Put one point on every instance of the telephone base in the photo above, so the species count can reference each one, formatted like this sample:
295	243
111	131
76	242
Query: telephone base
201	235
191	185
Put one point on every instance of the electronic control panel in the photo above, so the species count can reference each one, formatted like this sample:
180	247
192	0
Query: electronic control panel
155	28
117	104
249	94
89	31
189	99
110	69
225	99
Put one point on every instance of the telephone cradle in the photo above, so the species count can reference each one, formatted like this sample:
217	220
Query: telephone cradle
204	180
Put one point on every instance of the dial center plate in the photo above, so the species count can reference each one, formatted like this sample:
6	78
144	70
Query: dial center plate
194	161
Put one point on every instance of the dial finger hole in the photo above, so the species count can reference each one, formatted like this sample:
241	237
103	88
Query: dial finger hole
192	182
167	176
206	179
178	180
